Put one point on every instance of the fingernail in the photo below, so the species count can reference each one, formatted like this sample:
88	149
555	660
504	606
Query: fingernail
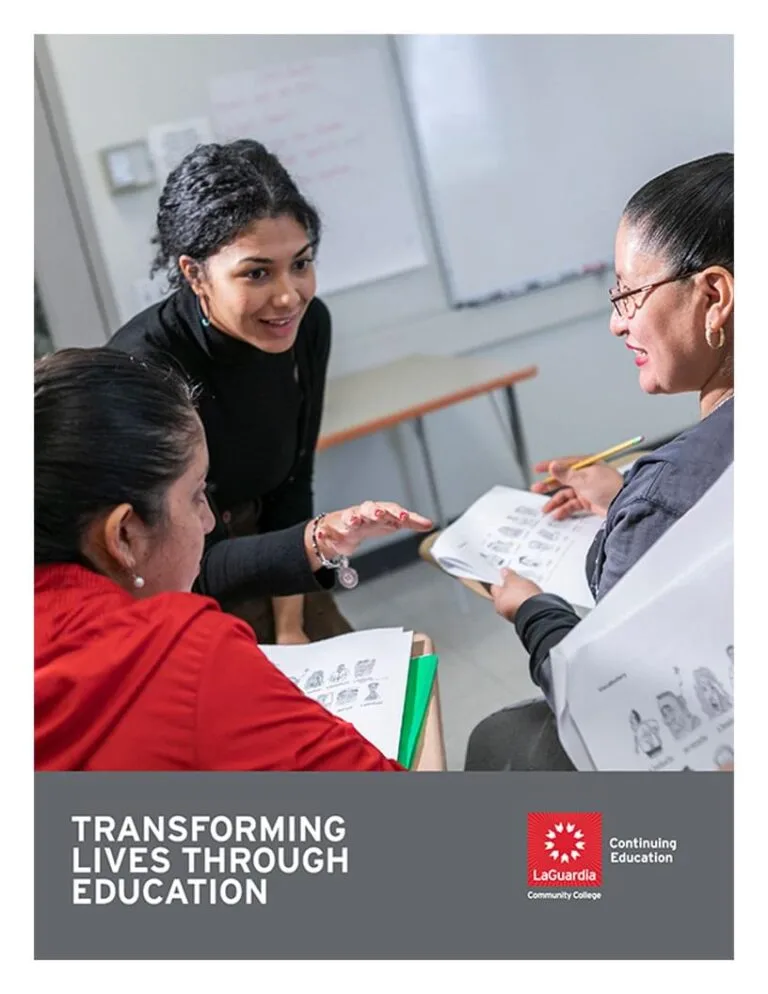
379	513
403	515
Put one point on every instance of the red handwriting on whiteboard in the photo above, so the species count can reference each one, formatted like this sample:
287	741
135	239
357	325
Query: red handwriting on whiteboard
329	128
295	89
328	174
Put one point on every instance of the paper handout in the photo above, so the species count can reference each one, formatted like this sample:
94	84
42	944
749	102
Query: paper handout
646	681
360	676
505	528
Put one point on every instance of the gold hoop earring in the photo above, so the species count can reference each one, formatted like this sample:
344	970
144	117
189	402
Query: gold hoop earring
709	335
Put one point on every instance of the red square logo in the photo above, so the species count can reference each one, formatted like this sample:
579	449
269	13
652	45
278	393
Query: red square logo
565	849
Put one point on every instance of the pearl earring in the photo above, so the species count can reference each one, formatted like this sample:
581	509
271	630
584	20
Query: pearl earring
138	582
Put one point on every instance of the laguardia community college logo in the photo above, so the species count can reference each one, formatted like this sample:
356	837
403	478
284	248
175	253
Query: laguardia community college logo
565	849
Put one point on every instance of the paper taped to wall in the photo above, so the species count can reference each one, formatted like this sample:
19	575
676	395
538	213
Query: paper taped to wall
169	143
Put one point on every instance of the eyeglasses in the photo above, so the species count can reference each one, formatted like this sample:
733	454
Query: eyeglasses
623	300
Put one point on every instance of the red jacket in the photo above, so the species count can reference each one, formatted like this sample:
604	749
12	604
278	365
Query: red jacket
168	683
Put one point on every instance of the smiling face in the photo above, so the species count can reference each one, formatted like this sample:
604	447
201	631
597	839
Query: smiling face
672	713
666	330
258	287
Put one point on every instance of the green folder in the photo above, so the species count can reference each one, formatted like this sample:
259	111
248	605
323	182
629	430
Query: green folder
421	676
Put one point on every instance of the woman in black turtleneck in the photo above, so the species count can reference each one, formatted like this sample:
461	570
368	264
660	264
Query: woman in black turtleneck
238	241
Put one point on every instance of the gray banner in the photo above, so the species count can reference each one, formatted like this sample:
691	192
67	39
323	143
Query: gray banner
436	867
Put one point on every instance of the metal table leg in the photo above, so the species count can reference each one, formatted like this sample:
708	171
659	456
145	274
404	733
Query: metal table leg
460	592
418	426
397	442
518	438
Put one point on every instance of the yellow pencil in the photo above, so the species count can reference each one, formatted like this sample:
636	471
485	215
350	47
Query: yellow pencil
598	457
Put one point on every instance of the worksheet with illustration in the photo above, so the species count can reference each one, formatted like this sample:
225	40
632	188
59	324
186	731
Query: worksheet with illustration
361	677
505	528
646	681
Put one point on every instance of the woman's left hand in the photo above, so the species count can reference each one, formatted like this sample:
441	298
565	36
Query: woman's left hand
341	532
511	593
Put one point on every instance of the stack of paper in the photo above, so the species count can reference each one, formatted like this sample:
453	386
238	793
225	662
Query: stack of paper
368	678
646	681
506	528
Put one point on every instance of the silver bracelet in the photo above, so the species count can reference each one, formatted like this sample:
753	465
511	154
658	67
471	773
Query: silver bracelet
346	575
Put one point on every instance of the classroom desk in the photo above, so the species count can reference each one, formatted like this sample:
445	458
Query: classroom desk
621	463
408	389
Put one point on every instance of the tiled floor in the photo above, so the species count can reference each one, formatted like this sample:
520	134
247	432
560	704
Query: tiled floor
482	665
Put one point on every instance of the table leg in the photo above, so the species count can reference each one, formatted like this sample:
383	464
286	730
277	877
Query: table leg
460	592
418	427
518	438
397	442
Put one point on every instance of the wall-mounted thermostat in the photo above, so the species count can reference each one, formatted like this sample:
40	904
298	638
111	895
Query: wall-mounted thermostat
128	167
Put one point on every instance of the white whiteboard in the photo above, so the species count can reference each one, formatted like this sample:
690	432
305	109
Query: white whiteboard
331	120
532	144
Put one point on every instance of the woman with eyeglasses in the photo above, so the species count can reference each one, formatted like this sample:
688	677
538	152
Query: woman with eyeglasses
673	308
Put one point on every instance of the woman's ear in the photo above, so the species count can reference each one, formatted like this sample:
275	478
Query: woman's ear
719	290
191	270
117	543
125	537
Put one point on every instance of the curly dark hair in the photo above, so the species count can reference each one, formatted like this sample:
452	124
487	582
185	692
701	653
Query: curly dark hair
214	194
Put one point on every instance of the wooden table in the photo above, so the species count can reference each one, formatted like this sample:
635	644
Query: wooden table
407	390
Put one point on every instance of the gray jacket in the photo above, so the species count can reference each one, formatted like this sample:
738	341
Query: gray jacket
658	490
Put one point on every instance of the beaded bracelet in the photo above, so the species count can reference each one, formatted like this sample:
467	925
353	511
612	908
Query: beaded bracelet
346	575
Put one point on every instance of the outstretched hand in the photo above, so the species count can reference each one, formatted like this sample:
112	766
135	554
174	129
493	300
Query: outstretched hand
341	532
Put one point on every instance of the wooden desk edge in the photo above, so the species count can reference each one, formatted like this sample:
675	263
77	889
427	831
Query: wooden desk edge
430	754
418	410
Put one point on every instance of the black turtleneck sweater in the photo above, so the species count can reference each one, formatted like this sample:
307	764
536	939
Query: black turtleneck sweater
261	414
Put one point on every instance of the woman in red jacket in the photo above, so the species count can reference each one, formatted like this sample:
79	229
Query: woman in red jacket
133	672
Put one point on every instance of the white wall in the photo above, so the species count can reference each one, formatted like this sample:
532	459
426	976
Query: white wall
113	88
74	311
535	125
